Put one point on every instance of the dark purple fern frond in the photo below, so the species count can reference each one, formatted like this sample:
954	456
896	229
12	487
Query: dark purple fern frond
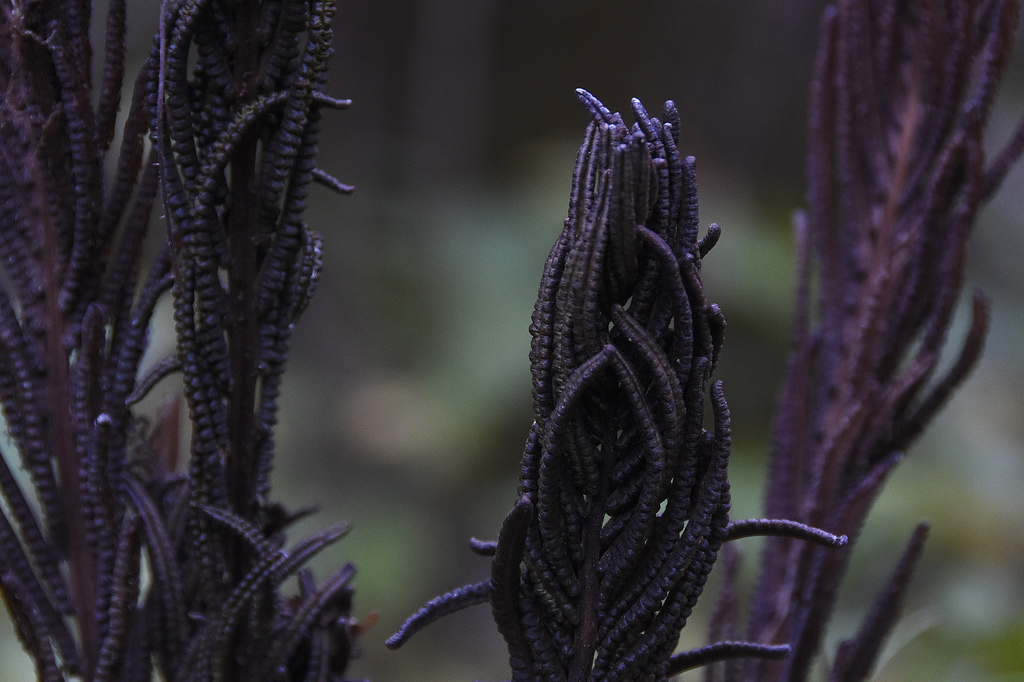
896	173
624	495
226	109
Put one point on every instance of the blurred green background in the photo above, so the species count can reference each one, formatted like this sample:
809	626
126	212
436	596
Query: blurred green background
407	399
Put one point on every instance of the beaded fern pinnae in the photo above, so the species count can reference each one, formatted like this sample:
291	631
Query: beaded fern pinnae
624	496
898	169
230	98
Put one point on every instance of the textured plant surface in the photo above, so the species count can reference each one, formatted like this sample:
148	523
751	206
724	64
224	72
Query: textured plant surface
230	98
897	173
624	498
120	559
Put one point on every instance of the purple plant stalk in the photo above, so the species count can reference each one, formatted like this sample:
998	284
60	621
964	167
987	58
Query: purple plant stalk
897	172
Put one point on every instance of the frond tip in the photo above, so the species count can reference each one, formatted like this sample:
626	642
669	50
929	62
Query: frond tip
438	607
724	651
785	529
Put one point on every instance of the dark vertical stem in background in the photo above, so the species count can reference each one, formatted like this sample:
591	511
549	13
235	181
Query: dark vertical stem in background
79	552
590	587
242	320
449	60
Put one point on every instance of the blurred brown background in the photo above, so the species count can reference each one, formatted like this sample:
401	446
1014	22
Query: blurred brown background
407	399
